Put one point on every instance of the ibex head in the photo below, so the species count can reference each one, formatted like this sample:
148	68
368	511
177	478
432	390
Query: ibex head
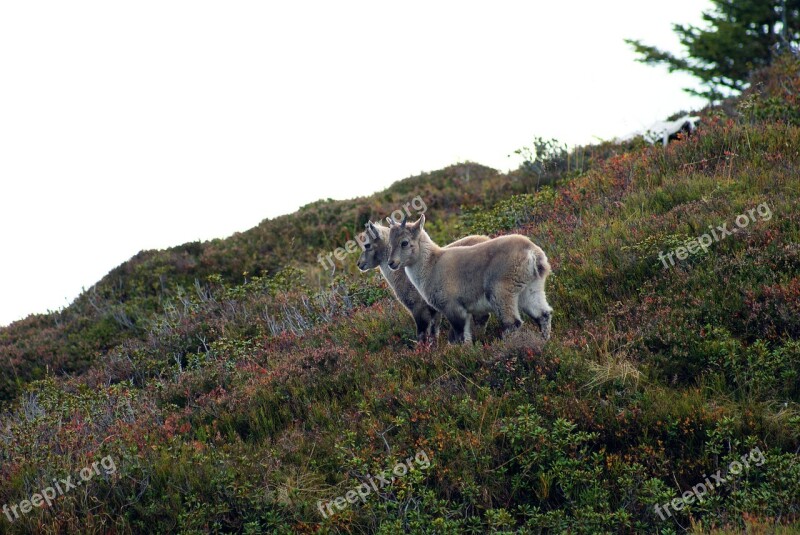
404	243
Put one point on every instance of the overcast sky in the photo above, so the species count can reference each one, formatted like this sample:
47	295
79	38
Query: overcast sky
139	125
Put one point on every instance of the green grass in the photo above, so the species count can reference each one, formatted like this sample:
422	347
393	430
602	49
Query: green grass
235	404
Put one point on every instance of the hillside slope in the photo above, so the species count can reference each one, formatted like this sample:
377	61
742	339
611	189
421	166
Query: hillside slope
121	305
262	403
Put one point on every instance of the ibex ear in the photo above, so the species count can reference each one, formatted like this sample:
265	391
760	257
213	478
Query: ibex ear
416	227
373	232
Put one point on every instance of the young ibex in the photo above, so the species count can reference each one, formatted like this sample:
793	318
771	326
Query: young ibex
375	253
503	275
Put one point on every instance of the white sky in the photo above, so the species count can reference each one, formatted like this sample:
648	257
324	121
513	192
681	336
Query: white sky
139	125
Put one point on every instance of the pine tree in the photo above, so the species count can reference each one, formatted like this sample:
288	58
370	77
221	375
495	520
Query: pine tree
740	36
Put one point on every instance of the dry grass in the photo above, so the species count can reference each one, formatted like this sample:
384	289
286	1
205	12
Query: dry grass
616	368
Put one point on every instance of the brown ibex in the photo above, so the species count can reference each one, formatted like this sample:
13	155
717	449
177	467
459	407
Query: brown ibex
375	254
503	276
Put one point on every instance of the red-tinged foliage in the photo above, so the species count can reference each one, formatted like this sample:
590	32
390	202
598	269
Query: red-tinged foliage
237	402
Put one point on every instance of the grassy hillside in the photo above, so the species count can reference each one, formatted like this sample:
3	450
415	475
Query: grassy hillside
233	386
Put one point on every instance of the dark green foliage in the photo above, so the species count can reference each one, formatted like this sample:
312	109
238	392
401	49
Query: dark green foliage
514	212
740	36
775	93
234	398
547	161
